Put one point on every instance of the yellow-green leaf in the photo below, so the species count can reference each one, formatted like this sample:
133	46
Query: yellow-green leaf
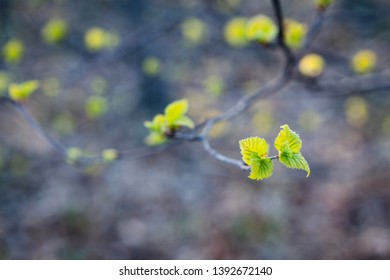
155	139
21	92
261	28
293	160
176	110
261	168
184	121
286	135
253	146
295	33
158	124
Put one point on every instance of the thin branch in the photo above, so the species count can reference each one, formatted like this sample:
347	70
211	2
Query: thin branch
313	31
355	84
290	58
23	112
223	158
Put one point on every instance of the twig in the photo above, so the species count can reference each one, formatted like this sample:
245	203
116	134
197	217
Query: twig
18	107
290	58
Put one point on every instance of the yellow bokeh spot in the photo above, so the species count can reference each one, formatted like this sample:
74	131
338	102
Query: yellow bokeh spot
262	29
312	65
151	66
194	30
96	107
109	155
356	111
234	32
295	33
310	120
13	51
364	61
97	39
54	31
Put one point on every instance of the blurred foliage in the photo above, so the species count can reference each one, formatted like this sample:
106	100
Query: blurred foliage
234	32
13	51
97	39
364	61
312	65
261	28
54	31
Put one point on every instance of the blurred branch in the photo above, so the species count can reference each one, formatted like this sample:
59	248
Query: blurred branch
313	31
201	132
352	85
290	58
25	114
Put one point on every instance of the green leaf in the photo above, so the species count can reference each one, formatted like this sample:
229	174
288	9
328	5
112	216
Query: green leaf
21	92
261	168
261	28
184	121
289	136
289	146
253	146
155	139
158	124
294	160
176	110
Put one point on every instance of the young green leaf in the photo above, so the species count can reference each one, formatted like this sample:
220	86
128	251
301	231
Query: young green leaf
289	146
289	136
158	124
253	146
261	28
163	125
261	168
176	110
155	139
254	151
184	121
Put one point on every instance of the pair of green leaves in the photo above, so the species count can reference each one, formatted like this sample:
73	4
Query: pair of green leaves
163	125
254	151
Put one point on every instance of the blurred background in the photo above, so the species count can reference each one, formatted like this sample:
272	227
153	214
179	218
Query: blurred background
107	66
